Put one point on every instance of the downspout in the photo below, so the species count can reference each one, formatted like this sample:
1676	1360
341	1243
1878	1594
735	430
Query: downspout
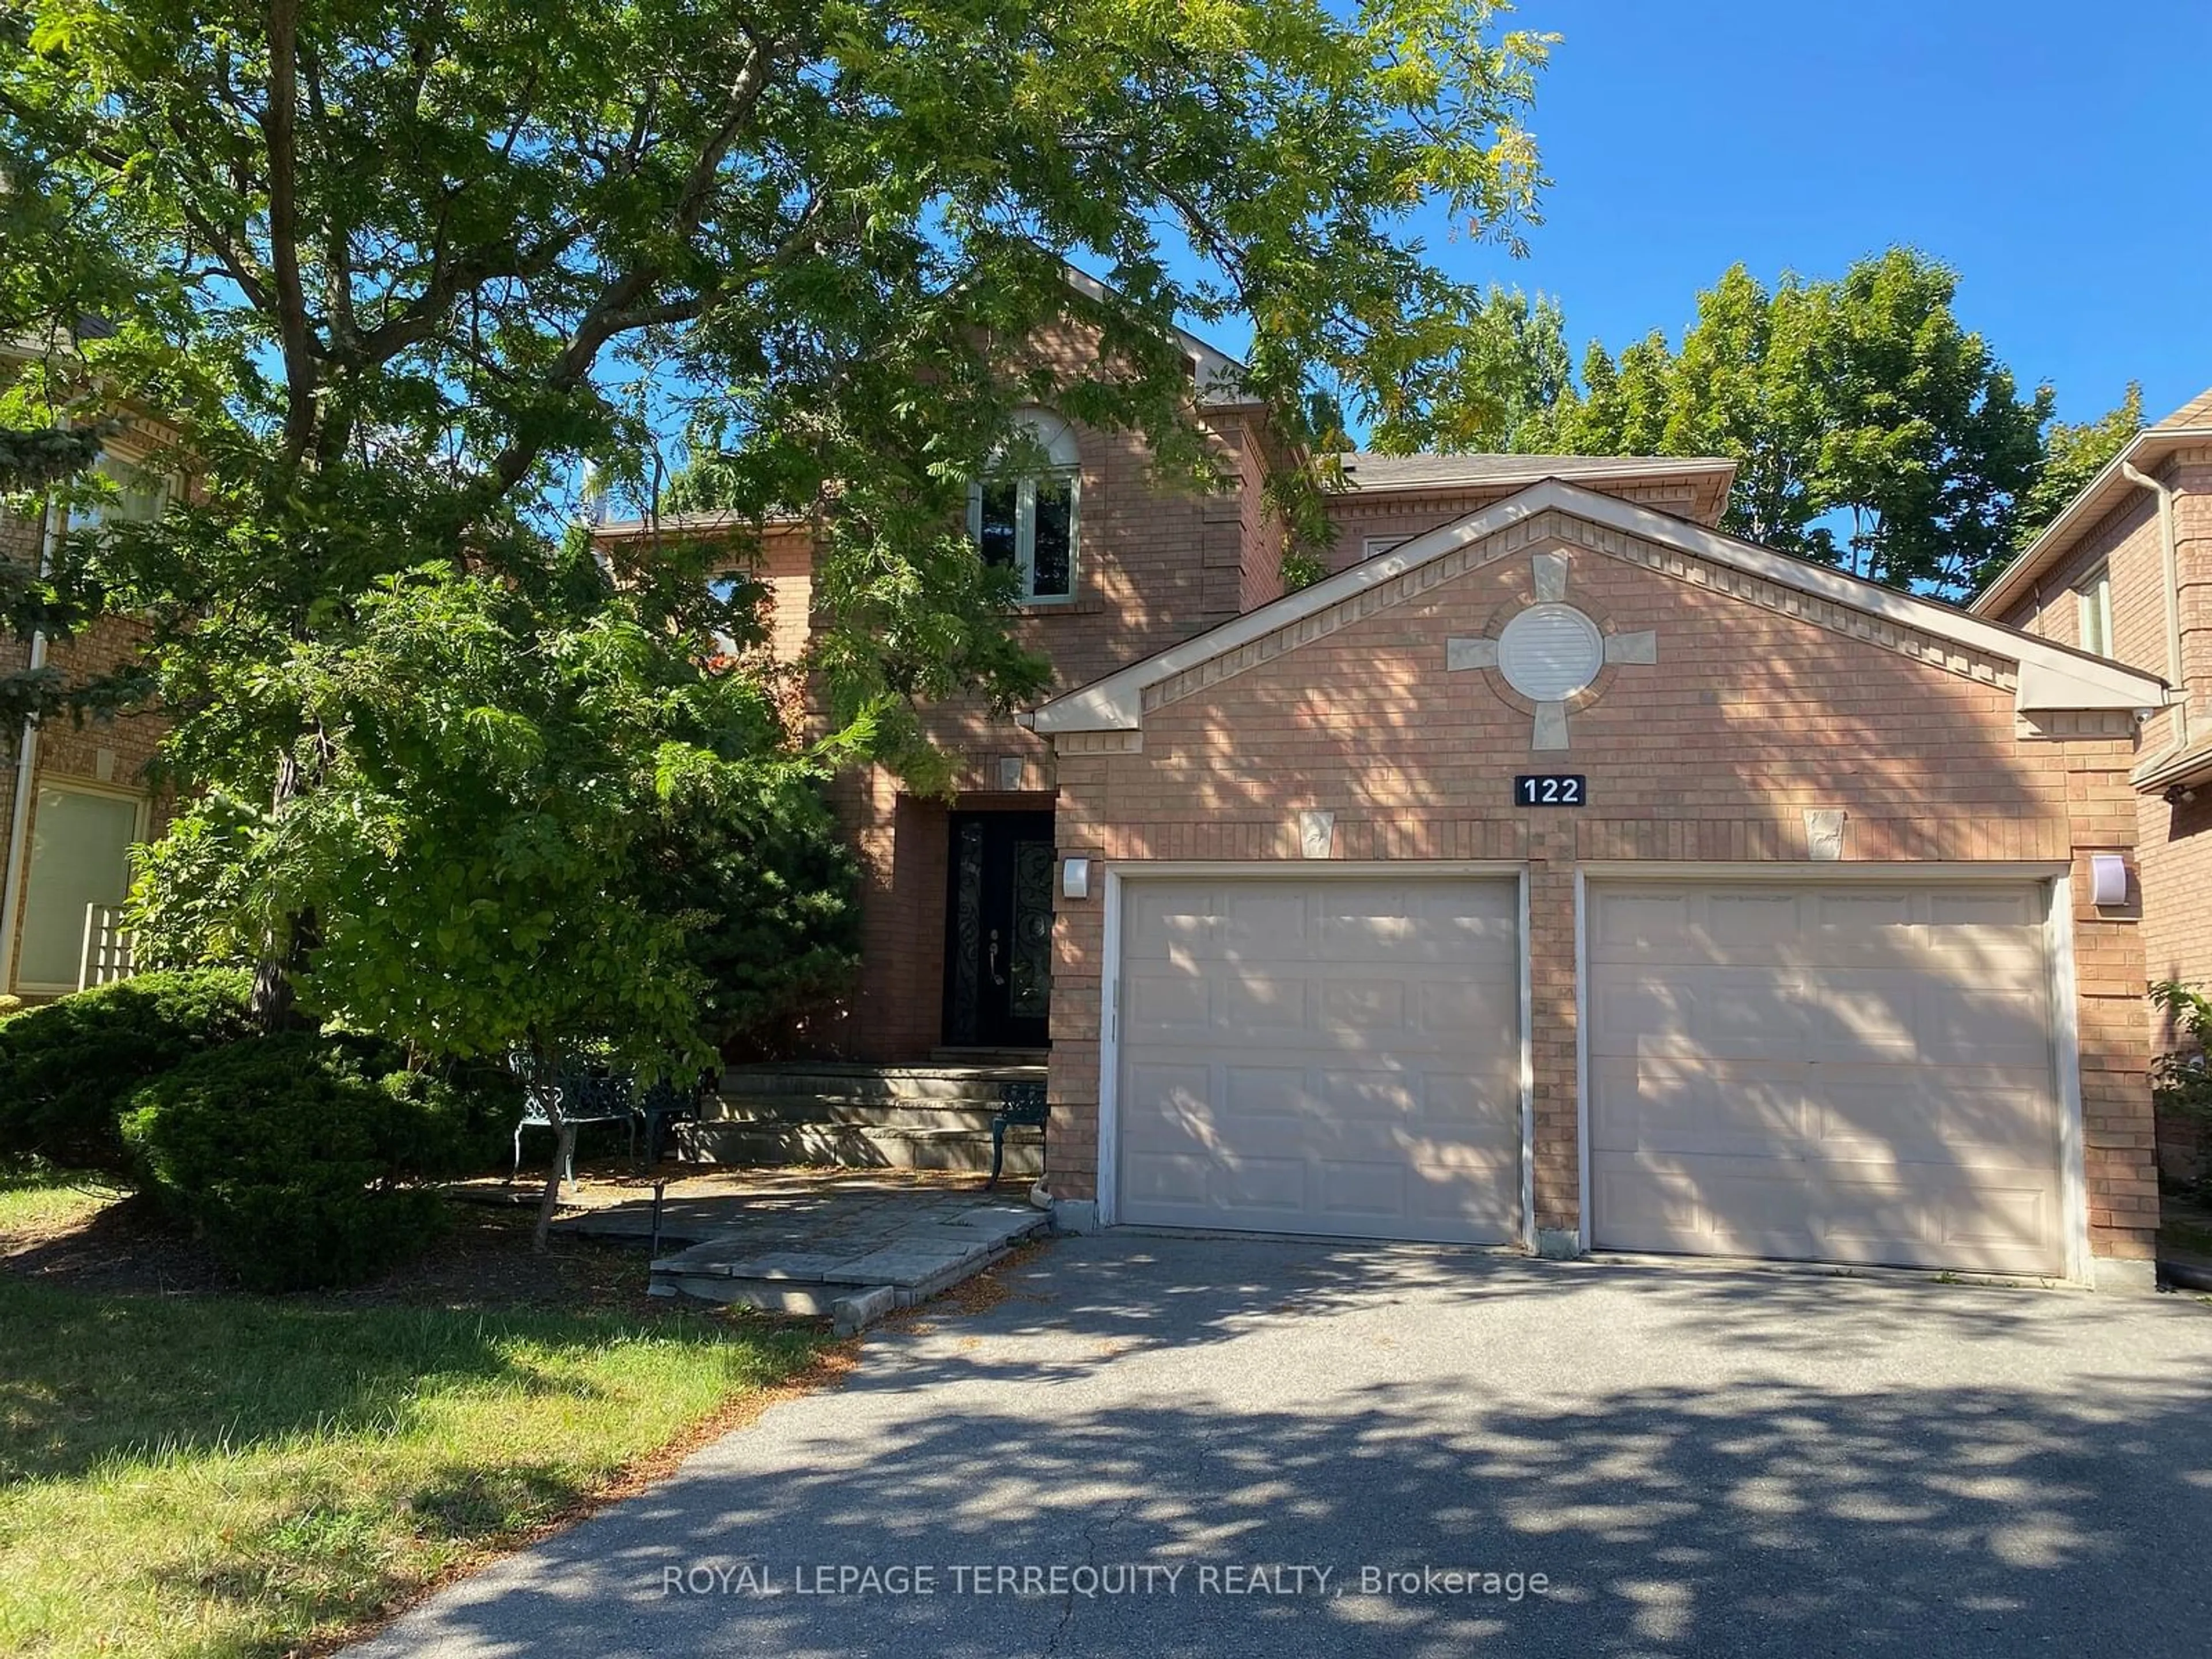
26	767
2169	558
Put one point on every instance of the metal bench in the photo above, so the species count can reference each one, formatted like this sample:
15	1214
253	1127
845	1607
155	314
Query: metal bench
585	1096
1022	1104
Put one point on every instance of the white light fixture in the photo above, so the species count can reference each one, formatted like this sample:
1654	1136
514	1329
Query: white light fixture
1549	652
1075	879
2108	878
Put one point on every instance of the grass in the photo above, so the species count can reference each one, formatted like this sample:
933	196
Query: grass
39	1201
234	1475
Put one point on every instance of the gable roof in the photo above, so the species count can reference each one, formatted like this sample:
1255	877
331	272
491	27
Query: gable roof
1366	471
1389	481
2050	675
1220	376
2187	427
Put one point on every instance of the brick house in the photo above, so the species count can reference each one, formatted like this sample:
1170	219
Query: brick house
2126	571
1558	872
74	799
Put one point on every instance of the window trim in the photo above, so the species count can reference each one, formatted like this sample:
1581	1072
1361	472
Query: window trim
140	825
1025	488
163	487
1056	436
2093	601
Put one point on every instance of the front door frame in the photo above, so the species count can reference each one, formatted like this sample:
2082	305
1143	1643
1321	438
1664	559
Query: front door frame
992	1025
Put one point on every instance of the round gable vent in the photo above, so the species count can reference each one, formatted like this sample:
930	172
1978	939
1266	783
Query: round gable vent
1549	652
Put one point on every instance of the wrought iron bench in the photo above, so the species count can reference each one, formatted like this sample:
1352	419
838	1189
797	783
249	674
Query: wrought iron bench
585	1096
1022	1104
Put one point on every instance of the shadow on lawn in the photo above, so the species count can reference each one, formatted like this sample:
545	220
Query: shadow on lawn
84	1377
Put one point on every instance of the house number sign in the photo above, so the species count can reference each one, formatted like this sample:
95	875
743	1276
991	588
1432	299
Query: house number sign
1550	789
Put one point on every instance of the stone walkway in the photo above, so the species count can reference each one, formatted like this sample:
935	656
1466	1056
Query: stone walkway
848	1244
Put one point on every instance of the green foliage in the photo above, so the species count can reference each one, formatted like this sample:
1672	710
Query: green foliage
2180	1078
1872	429
404	274
1509	367
68	1067
2072	455
499	785
1302	570
770	890
291	1154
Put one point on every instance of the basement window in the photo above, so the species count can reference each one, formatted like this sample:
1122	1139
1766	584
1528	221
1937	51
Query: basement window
1022	514
2093	602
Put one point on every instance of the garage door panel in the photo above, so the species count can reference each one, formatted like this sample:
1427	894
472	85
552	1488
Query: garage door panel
1447	1009
1479	1110
1360	1035
1365	1007
1467	1200
1174	1006
1974	1123
1262	1006
1724	1013
1260	1095
1756	921
1167	1179
1673	1107
1156	924
1263	928
1888	1096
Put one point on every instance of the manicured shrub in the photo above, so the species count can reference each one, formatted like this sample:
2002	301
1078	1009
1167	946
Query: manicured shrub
68	1068
294	1155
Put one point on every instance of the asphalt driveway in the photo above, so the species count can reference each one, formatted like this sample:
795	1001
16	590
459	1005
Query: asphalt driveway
1171	1445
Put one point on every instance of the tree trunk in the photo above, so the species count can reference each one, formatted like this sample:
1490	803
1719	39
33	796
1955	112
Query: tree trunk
270	1005
564	1148
545	1084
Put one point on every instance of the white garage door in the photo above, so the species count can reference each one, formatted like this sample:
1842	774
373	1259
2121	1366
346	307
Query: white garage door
1838	1071
1322	1056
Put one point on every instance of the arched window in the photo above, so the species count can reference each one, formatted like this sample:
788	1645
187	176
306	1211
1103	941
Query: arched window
1022	512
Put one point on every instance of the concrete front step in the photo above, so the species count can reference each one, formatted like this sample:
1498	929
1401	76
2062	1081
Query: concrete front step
956	1083
854	1287
855	1145
974	1116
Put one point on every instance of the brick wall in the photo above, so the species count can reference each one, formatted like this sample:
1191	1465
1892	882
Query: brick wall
2174	842
1749	717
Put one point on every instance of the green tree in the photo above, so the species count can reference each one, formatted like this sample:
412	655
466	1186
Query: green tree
401	273
1508	365
1871	428
2072	455
513	778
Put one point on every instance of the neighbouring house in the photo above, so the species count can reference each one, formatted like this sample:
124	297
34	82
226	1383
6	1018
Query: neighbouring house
2125	571
1557	872
74	798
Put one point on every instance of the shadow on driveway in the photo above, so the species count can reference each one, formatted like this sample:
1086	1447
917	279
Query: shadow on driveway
1698	1460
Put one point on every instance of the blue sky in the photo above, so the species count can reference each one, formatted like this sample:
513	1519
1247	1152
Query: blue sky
2060	158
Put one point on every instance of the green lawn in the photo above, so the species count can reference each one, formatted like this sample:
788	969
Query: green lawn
226	1474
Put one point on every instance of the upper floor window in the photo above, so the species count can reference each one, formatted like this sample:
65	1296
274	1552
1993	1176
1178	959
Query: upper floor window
2093	601
139	497
1022	512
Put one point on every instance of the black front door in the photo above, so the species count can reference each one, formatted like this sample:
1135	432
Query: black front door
997	930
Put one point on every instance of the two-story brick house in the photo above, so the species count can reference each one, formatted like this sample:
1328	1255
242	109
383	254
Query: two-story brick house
2126	571
1558	871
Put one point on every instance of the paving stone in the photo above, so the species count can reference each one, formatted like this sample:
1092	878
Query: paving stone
786	1264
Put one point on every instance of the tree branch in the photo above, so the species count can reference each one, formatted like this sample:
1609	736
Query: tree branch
279	132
